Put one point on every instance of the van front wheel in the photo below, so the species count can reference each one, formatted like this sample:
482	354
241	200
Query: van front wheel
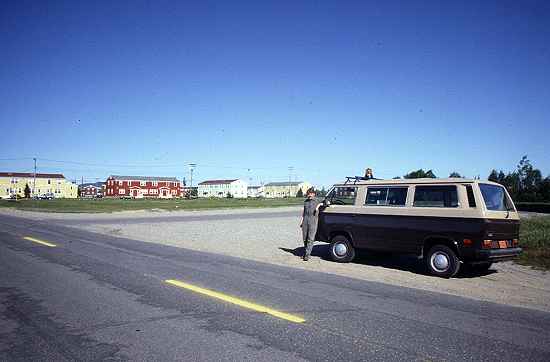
341	249
442	261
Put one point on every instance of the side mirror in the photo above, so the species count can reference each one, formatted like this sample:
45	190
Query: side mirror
326	203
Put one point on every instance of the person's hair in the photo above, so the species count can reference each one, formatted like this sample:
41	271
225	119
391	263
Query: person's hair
311	190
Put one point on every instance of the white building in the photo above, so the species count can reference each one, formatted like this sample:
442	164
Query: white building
255	191
223	188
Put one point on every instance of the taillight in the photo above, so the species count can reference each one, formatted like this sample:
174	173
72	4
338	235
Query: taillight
515	242
467	242
487	244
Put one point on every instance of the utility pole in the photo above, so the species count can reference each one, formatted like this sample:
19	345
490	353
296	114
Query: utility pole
34	178
191	168
290	168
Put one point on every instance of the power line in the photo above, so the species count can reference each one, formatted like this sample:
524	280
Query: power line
16	159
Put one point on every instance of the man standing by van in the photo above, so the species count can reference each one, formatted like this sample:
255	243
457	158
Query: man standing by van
309	221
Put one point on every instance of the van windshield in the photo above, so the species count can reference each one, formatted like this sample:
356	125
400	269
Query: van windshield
495	198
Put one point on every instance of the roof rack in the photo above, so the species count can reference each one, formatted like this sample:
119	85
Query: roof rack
356	179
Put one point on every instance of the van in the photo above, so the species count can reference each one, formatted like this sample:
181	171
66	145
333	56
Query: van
446	222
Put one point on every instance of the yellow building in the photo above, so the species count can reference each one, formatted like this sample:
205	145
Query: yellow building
52	184
285	189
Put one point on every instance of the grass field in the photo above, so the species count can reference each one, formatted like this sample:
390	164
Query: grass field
113	205
535	240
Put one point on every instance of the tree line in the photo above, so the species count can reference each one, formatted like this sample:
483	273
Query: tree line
525	183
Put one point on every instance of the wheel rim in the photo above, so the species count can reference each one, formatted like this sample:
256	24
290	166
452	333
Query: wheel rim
340	249
440	261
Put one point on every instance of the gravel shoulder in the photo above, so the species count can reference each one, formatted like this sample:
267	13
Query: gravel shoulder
276	239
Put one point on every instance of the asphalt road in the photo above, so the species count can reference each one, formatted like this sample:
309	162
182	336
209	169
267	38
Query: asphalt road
96	297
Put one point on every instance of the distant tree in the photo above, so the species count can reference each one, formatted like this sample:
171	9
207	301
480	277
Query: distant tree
544	189
525	183
27	191
397	177
78	192
300	193
229	196
420	174
455	174
511	182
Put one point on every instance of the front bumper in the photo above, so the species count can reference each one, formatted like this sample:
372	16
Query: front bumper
495	255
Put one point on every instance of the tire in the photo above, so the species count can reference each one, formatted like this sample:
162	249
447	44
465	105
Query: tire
341	250
442	261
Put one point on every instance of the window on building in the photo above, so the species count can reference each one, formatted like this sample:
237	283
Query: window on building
122	191
120	183
142	183
435	196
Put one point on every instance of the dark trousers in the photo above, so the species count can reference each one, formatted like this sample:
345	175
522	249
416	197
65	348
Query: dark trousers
309	229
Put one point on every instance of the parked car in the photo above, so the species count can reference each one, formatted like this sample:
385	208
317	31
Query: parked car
47	196
447	222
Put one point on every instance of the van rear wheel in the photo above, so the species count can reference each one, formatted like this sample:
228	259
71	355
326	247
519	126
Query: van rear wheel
442	261
341	249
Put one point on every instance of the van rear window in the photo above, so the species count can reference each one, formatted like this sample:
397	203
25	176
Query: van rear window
435	196
495	198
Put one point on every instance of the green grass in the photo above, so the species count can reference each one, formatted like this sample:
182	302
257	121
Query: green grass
534	238
113	205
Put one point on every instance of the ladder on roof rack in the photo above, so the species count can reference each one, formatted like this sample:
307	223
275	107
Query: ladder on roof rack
356	179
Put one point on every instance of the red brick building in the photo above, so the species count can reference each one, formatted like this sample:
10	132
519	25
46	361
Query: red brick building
143	186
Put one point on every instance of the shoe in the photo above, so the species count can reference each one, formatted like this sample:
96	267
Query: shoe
305	258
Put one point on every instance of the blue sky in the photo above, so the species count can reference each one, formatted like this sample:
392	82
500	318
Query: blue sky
247	89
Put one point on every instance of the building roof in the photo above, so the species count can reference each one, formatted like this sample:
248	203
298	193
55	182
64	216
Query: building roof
143	178
254	187
30	174
284	183
217	182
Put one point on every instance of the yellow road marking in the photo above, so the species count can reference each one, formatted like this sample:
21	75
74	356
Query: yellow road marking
40	241
237	301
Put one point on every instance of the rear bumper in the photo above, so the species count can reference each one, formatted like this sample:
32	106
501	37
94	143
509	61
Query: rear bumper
495	255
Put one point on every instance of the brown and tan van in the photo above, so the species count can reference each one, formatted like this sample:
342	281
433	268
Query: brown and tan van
447	222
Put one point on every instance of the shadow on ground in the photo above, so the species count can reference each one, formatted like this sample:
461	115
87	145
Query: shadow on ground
409	263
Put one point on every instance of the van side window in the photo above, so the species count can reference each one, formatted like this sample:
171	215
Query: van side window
471	198
343	195
386	196
435	196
